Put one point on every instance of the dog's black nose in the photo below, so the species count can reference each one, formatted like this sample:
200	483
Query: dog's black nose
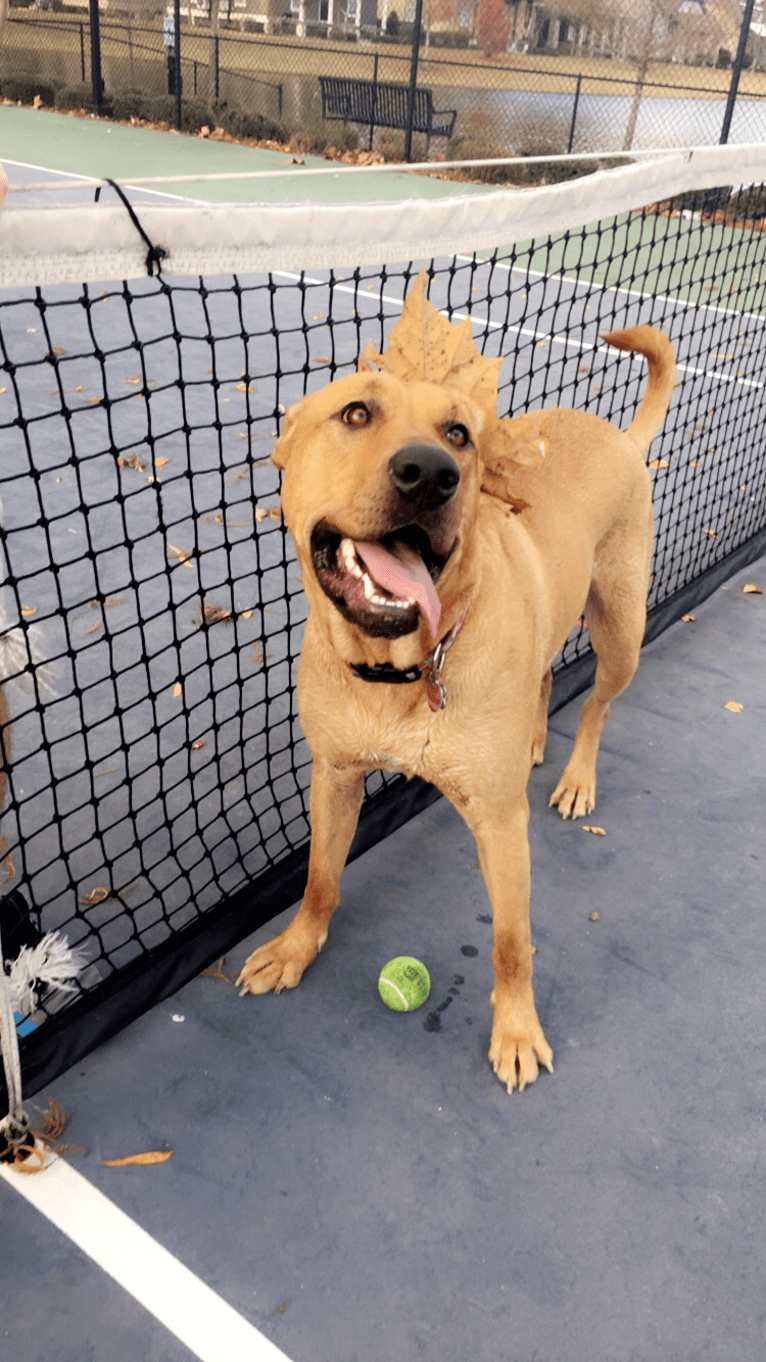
424	473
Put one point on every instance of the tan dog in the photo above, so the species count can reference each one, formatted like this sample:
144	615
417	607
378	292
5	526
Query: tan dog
413	509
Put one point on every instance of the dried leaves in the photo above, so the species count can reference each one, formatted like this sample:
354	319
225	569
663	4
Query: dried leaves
425	346
150	1157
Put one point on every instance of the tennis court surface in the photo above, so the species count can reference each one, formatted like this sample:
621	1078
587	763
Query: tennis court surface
344	1183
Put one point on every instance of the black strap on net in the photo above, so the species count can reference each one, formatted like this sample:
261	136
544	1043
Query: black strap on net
154	254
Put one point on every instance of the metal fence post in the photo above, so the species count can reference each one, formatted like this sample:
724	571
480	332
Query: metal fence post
413	78
177	21
736	70
578	87
216	67
82	53
99	104
374	97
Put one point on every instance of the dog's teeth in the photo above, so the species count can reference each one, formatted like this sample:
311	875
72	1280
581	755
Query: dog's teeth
348	554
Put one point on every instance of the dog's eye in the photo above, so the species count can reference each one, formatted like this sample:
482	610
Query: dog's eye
355	414
458	436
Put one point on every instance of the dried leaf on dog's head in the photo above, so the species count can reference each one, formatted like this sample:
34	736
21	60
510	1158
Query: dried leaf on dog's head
424	346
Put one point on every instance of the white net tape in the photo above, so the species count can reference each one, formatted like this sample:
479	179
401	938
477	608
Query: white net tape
70	243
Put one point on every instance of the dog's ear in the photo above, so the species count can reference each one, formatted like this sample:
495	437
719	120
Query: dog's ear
509	447
281	451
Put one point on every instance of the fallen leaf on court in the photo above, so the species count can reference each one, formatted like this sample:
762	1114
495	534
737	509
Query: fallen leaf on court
276	514
598	832
198	744
688	619
37	102
750	589
181	554
215	614
260	513
94	896
178	690
204	132
160	463
28	610
659	463
712	534
151	1156
297	161
217	972
734	706
595	916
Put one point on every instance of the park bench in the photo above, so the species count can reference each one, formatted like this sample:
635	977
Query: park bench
384	104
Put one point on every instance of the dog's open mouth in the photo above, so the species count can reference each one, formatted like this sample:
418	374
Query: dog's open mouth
383	586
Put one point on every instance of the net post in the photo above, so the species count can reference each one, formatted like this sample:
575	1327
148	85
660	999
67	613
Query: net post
736	71
416	27
99	106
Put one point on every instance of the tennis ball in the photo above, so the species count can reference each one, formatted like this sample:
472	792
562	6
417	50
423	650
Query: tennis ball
404	983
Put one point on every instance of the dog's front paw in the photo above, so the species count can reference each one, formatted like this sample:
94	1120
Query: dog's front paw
575	794
517	1050
279	964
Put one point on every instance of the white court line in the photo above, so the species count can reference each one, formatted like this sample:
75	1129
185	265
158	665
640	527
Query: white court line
569	342
616	288
89	181
210	1328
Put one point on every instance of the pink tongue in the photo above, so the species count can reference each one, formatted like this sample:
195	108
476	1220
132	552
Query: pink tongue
404	574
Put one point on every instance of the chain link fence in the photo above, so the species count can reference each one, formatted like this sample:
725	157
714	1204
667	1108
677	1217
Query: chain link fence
272	78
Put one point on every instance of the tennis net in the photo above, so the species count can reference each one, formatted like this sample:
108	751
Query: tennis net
155	795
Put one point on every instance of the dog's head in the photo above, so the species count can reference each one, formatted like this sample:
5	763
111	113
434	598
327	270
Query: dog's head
383	469
380	478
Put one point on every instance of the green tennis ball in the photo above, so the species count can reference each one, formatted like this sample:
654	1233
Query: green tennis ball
404	983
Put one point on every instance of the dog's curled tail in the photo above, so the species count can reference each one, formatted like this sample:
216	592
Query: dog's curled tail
660	357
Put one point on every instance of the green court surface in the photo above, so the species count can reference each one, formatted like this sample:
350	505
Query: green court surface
677	256
95	147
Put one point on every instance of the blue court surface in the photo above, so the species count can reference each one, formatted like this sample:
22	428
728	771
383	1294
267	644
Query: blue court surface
349	1184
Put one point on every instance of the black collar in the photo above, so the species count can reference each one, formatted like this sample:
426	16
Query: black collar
430	668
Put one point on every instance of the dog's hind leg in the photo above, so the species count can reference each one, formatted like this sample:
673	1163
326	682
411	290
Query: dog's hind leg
540	731
336	797
616	615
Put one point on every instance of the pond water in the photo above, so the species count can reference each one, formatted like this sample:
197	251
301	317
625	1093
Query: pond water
525	118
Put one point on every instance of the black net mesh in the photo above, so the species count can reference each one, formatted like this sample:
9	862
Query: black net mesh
155	794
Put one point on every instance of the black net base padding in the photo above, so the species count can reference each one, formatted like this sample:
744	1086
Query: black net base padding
17	928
